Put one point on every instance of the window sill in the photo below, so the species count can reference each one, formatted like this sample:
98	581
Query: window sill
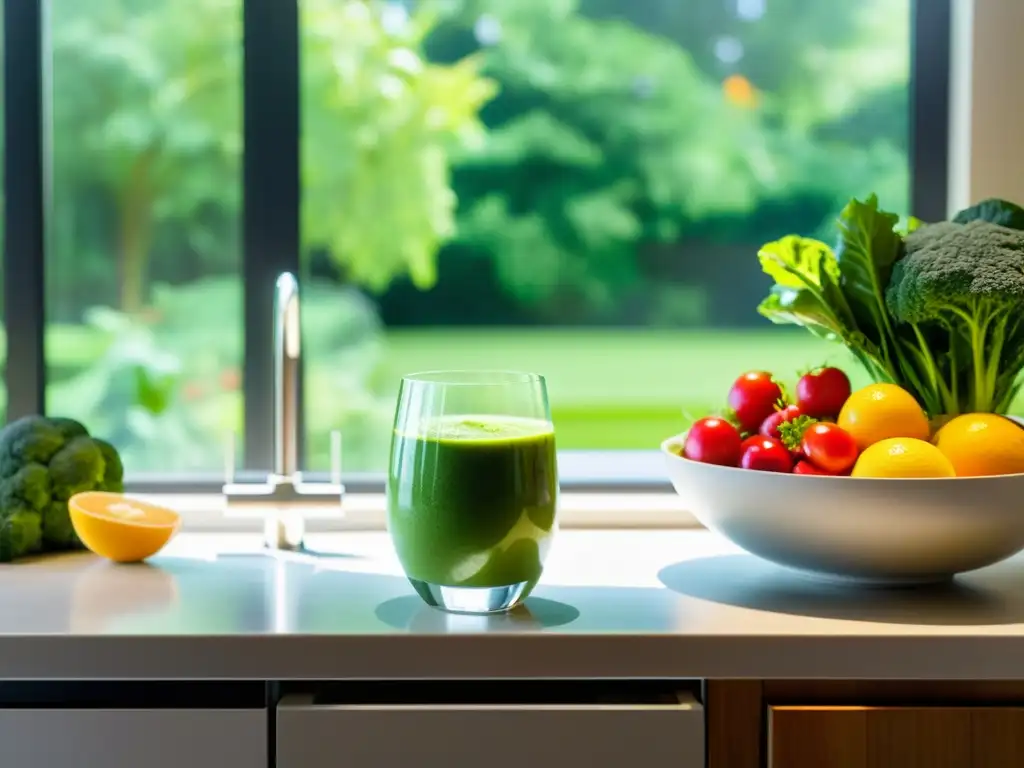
366	511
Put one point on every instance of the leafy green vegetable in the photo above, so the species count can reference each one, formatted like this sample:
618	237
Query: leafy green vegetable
837	295
936	308
806	290
994	211
867	249
43	462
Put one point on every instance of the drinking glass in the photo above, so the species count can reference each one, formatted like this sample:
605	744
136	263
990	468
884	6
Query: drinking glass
472	486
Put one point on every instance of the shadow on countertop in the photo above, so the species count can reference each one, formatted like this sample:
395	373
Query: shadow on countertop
410	613
994	596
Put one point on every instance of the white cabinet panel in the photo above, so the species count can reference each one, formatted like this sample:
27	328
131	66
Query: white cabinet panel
310	735
133	738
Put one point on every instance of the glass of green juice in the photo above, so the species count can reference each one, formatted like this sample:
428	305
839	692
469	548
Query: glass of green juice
472	489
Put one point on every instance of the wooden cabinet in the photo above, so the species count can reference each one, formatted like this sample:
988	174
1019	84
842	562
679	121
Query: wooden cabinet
895	737
133	738
846	724
311	734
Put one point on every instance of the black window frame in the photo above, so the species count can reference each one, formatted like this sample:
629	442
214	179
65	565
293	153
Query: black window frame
271	242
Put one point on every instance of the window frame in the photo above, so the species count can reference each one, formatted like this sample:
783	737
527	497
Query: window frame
271	237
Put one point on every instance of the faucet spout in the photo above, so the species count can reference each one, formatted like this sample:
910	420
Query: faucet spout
285	501
287	357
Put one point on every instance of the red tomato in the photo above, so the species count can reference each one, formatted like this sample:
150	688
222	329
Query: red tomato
752	440
770	426
768	455
806	468
713	441
830	448
753	398
821	393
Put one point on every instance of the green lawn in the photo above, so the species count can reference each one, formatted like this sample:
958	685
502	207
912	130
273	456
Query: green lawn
619	388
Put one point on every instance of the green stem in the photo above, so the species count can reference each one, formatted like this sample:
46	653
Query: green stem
995	356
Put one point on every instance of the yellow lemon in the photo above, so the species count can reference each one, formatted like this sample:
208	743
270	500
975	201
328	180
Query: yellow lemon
880	411
903	457
120	528
982	444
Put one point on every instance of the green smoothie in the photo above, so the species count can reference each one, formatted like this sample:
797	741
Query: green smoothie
471	500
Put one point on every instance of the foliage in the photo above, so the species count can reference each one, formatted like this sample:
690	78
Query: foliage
149	137
132	394
148	126
379	121
589	155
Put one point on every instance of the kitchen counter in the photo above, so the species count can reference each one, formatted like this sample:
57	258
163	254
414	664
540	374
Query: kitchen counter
613	604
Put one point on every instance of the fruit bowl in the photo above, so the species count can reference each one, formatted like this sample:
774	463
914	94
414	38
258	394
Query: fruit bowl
860	530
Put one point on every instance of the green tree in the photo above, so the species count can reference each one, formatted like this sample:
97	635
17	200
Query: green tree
379	122
604	137
147	111
147	127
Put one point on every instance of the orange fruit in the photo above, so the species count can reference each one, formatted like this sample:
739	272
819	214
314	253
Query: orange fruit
980	444
880	411
120	528
902	457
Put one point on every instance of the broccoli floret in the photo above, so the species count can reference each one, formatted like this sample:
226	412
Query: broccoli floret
58	532
30	484
76	467
68	427
30	438
994	211
21	533
43	462
113	474
966	281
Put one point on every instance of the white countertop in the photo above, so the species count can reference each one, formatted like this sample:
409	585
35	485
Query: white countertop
612	604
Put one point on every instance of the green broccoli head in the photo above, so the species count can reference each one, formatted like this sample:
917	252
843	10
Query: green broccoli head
958	273
43	462
964	282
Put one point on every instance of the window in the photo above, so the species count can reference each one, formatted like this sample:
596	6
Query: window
576	188
3	384
144	297
595	177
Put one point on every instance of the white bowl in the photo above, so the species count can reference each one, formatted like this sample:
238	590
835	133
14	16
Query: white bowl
870	530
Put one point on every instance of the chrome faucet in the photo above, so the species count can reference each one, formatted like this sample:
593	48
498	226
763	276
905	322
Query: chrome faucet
284	500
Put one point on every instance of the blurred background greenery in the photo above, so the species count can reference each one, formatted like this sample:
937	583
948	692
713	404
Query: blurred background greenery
575	187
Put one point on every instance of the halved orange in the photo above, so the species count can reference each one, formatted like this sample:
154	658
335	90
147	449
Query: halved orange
121	528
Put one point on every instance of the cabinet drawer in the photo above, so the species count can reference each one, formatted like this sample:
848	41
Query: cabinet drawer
133	738
452	735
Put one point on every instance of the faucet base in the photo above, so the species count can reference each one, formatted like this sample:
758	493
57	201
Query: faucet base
283	503
284	532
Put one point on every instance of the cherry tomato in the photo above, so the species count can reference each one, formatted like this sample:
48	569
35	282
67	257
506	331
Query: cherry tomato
770	426
747	442
713	441
753	398
830	448
806	468
768	455
821	393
